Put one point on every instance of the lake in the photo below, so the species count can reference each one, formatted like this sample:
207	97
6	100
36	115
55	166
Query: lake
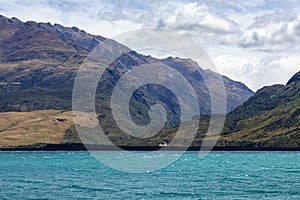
220	175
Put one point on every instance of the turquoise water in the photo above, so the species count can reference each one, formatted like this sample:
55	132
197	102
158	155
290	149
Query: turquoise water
220	175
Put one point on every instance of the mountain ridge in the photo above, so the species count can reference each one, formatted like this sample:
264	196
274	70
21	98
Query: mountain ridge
44	57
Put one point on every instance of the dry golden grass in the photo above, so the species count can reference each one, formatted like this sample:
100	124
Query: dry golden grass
44	126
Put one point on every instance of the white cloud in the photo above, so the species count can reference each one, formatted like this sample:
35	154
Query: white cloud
272	32
258	71
196	17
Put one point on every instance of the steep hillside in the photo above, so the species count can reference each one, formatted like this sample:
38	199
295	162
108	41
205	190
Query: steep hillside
271	118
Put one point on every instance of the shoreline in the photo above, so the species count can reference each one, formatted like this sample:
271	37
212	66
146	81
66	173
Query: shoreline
81	147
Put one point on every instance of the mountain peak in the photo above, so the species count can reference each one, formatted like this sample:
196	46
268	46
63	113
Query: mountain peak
294	78
3	17
30	23
9	21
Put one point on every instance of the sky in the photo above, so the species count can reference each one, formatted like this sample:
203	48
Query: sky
255	42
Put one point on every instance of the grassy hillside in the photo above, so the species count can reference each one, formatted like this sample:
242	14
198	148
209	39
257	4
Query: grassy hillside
271	118
28	128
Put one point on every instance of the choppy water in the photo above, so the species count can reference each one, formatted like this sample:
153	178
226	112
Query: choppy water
78	175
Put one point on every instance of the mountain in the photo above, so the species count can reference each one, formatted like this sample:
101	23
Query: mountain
39	63
271	118
38	66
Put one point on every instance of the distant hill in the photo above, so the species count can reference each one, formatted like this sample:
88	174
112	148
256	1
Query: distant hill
271	118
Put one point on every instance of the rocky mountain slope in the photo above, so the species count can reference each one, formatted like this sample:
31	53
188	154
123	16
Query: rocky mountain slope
39	61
